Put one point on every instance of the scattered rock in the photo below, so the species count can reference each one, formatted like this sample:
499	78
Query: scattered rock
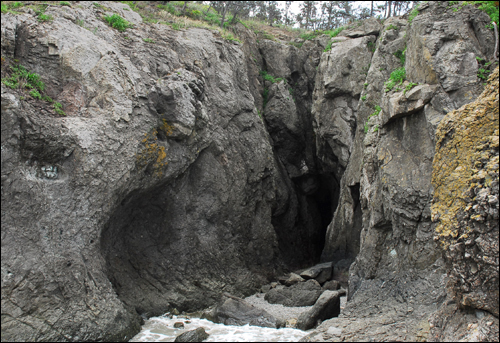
327	306
235	311
293	279
321	272
198	335
331	285
301	294
291	323
179	325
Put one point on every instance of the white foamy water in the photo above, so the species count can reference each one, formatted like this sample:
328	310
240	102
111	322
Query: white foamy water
161	329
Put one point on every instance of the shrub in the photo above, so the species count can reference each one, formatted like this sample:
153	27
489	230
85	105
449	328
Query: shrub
391	27
64	3
118	22
36	94
363	98
58	108
397	77
21	78
482	73
376	113
147	40
269	77
45	17
410	86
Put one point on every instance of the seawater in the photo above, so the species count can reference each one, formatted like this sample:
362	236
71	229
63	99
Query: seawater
161	329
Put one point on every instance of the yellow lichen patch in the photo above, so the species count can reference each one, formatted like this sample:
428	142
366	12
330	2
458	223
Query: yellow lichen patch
166	128
152	152
464	159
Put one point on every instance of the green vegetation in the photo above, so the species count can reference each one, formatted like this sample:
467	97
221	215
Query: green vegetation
147	40
391	27
8	7
269	77
410	86
363	98
64	3
483	73
397	77
36	94
58	108
117	22
45	17
331	33
365	85
414	12
265	96
401	55
489	7
23	80
371	46
376	113
104	8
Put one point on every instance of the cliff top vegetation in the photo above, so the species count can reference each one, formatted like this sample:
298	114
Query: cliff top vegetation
268	19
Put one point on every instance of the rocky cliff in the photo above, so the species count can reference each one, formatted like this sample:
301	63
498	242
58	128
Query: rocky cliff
178	172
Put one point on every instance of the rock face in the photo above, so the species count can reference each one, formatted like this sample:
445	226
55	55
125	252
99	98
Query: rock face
178	173
465	204
157	190
386	192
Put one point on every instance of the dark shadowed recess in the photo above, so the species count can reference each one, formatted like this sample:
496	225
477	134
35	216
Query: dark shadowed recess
301	242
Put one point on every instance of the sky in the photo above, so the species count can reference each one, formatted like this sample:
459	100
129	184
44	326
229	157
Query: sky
295	7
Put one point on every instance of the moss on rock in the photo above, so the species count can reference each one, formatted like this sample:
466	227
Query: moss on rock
465	204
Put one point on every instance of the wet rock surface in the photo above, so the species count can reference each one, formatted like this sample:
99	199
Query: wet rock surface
235	311
170	180
197	335
327	306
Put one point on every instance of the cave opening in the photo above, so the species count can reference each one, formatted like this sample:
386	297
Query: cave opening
301	236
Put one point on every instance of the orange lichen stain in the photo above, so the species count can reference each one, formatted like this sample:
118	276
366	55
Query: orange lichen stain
464	138
152	152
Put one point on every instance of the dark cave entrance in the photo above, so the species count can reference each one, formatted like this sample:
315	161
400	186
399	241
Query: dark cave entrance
301	233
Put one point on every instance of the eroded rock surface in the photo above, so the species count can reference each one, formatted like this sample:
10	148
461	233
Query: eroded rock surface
171	180
465	205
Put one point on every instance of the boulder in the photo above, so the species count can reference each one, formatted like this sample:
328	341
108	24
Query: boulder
300	294
235	311
198	335
368	27
293	279
320	272
331	285
401	104
327	306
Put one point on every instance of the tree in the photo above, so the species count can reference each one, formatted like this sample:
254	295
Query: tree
288	20
307	14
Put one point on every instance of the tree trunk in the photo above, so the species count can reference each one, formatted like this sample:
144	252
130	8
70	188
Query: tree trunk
224	10
371	11
389	10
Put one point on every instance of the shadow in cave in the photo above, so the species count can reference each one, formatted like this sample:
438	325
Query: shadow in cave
136	236
301	236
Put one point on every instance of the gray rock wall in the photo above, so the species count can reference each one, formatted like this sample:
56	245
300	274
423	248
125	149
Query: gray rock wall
155	191
163	186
